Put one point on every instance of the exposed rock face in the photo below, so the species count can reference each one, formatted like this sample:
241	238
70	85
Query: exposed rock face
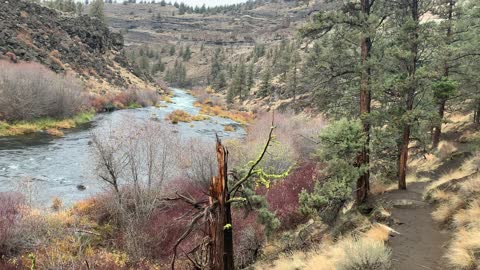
79	43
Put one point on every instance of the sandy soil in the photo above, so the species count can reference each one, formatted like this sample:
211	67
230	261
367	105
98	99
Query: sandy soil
421	242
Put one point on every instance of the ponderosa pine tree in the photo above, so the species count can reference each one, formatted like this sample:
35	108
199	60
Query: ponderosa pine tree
457	56
342	70
406	78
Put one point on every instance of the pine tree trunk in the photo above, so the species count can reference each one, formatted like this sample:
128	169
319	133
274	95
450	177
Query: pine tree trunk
410	95
402	174
363	159
438	129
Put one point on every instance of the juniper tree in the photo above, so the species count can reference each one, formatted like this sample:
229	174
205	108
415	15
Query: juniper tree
339	144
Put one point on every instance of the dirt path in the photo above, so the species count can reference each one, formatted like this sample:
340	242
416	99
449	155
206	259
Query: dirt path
421	243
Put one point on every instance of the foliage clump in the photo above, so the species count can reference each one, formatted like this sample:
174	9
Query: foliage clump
339	146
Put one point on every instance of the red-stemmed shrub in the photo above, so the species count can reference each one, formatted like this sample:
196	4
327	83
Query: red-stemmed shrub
168	223
282	196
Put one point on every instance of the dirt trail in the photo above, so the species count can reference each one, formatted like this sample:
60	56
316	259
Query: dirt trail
421	243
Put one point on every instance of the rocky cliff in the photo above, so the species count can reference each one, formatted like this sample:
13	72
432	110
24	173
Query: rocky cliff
67	43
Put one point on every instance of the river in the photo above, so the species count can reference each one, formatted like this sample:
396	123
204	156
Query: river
44	167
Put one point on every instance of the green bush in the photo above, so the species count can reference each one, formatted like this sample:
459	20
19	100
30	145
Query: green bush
339	146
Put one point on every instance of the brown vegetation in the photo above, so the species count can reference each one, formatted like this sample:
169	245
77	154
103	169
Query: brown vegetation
182	116
31	91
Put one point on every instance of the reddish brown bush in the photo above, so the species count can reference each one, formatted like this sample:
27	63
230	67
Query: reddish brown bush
130	97
30	90
282	197
169	222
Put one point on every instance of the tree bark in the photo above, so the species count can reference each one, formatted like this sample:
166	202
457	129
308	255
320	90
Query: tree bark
437	132
363	159
410	95
221	235
476	114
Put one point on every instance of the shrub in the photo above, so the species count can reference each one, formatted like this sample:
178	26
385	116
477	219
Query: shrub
10	214
179	116
365	254
248	237
200	165
56	204
340	144
173	219
182	116
283	196
30	90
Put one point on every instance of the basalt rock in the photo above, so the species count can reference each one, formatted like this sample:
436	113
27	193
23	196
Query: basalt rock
32	32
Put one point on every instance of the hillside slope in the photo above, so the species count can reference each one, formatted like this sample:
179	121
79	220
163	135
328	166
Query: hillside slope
77	44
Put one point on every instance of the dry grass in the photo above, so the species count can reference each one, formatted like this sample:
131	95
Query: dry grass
446	149
240	117
445	211
470	217
167	99
346	254
182	116
460	208
445	178
49	125
228	128
378	232
427	163
464	250
55	132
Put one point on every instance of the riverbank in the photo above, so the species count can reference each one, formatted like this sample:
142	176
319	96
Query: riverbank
55	166
49	125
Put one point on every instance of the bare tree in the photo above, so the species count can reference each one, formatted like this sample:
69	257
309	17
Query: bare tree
135	160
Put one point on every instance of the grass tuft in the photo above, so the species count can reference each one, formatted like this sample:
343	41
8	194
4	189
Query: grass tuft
49	125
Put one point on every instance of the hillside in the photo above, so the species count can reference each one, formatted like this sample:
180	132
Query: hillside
160	27
67	43
296	135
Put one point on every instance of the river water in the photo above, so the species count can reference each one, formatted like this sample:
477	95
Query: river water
44	167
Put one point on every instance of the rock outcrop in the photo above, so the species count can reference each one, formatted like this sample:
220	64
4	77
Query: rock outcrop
65	43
